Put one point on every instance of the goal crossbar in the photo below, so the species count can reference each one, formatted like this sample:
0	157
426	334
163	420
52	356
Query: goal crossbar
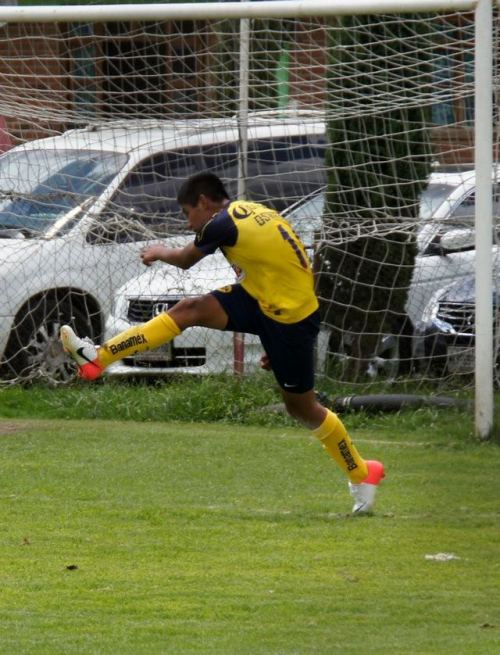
234	10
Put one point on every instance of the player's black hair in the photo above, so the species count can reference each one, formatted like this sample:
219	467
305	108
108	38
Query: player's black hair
206	184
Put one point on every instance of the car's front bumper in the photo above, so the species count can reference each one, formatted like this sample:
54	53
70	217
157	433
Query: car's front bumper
443	351
197	351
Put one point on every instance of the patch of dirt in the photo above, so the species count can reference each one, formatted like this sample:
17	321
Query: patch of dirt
11	427
6	427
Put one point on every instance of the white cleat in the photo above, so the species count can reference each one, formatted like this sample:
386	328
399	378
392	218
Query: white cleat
364	493
83	352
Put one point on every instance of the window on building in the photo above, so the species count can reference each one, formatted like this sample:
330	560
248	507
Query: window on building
453	74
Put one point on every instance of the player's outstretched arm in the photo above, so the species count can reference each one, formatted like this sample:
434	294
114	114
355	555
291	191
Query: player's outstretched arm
181	257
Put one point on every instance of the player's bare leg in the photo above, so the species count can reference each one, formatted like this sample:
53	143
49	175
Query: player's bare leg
364	475
305	408
203	311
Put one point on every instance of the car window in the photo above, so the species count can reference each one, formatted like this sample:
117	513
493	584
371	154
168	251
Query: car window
159	176
306	218
222	159
463	214
145	205
282	170
433	196
40	188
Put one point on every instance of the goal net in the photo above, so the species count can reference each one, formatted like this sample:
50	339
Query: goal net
359	128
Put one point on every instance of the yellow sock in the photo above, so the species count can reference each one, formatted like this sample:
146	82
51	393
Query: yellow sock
337	442
148	336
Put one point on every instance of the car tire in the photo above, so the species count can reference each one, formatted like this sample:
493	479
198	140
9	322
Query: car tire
382	365
34	351
385	363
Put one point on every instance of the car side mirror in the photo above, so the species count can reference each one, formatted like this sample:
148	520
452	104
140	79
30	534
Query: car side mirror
459	239
435	248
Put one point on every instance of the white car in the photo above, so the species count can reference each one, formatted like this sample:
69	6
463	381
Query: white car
445	253
76	209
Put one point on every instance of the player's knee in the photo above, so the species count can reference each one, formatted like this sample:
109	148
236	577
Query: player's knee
188	305
296	407
190	311
304	408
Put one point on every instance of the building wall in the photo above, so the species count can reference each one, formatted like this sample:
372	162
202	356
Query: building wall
44	92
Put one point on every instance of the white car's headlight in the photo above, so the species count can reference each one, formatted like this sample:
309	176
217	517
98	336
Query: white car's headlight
431	309
119	307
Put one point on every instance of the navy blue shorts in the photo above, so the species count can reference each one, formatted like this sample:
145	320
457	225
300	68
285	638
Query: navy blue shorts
289	346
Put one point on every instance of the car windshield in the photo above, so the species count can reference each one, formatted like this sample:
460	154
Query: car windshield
40	187
308	214
433	197
307	217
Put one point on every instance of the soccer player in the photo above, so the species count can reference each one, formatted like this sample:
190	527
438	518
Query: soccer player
274	298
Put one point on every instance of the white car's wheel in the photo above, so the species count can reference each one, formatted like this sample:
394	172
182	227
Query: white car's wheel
383	365
386	360
34	350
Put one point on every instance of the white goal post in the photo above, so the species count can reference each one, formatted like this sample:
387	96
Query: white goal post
287	63
232	10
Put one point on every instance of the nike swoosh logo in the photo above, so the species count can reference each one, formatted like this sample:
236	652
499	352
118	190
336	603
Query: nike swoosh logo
289	386
79	351
361	508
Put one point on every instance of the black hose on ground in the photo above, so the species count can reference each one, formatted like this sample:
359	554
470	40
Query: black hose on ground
389	403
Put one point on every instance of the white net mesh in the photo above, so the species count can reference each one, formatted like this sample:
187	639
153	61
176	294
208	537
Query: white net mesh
363	124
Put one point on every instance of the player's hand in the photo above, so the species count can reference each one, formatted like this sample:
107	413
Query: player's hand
265	363
151	254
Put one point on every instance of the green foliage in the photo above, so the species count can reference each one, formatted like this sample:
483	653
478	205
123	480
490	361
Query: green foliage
211	398
153	538
251	400
379	163
380	160
269	40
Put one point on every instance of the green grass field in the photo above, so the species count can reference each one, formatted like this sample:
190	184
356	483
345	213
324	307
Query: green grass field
123	537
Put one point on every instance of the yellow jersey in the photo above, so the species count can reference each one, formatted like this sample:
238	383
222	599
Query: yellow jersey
270	259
